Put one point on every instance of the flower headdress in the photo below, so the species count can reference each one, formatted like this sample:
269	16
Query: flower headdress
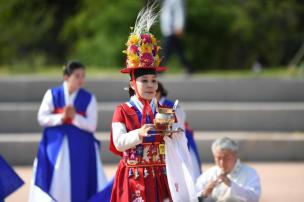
142	49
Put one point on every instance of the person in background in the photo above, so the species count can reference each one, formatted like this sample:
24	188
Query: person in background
161	96
172	23
229	180
68	166
9	180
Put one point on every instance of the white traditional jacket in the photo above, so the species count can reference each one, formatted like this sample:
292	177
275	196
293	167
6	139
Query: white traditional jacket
245	184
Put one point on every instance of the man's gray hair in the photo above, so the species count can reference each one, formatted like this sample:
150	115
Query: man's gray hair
225	143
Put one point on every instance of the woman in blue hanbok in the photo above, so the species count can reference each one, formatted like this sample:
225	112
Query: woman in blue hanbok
68	166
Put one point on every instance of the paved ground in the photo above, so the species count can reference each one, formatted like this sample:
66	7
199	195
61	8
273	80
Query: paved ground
281	182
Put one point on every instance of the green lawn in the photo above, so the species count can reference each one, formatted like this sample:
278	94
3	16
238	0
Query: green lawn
93	71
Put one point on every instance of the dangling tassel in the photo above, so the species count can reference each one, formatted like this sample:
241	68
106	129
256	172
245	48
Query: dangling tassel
147	108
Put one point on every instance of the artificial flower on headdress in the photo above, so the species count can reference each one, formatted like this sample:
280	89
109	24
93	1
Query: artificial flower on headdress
133	60
156	61
132	49
146	60
142	48
146	38
155	50
146	48
154	41
133	40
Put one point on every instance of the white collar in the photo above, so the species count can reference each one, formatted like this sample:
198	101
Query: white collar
139	104
68	99
236	169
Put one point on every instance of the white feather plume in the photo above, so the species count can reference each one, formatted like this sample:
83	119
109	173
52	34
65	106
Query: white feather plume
145	19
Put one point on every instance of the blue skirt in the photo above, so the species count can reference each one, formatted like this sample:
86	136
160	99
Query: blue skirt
68	159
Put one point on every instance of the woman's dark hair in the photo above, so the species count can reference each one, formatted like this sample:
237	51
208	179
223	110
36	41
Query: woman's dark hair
162	90
70	67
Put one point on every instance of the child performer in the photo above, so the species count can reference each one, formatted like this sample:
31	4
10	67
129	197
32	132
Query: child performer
146	169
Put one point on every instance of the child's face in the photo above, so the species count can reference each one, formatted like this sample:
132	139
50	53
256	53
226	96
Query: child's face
146	86
76	79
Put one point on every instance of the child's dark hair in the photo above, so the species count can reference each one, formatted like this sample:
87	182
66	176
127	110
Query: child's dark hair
131	91
70	67
162	90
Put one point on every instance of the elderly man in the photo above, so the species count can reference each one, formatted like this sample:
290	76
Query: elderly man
229	180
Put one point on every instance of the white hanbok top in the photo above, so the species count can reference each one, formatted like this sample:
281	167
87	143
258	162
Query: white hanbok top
245	184
47	118
172	16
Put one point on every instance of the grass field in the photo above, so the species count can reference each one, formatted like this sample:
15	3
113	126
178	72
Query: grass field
173	69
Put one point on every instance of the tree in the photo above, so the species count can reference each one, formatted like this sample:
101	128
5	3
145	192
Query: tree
100	31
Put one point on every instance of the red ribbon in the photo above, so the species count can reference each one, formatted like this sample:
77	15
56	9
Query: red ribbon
147	107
